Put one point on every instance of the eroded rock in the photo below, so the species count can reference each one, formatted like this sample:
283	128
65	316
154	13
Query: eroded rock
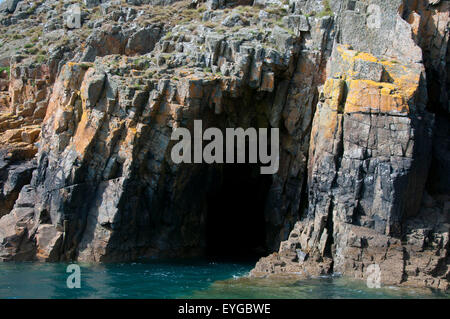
85	168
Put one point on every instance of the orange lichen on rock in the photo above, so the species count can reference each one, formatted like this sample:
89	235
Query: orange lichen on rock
334	91
363	83
84	134
372	97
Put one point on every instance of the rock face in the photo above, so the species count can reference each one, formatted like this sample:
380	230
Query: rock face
362	108
8	6
368	166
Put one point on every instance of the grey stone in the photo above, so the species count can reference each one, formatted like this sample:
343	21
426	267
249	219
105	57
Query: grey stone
297	23
91	3
8	6
233	20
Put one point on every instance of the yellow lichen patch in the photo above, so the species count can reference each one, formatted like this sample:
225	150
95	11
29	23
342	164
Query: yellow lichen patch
351	55
373	97
334	92
366	57
394	87
407	84
405	77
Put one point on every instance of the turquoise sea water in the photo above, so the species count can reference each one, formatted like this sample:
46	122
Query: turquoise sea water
179	279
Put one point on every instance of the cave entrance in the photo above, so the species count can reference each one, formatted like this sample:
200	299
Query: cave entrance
235	222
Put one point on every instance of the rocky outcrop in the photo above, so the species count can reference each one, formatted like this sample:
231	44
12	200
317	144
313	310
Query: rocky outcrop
368	166
95	145
25	105
8	6
85	166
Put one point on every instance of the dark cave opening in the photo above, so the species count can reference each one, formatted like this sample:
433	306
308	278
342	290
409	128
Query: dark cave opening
235	222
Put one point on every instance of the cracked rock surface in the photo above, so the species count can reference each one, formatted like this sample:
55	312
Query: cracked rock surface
86	116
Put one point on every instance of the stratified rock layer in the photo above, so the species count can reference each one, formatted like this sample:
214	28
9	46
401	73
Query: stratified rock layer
362	108
369	162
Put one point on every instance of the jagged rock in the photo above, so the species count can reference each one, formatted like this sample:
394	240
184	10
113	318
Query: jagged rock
85	167
354	182
143	41
298	23
8	6
264	3
221	4
91	3
215	4
233	20
91	104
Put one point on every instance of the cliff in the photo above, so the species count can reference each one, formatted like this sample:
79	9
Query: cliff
87	111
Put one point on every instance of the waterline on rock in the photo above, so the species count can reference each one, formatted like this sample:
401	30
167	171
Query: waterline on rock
180	279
